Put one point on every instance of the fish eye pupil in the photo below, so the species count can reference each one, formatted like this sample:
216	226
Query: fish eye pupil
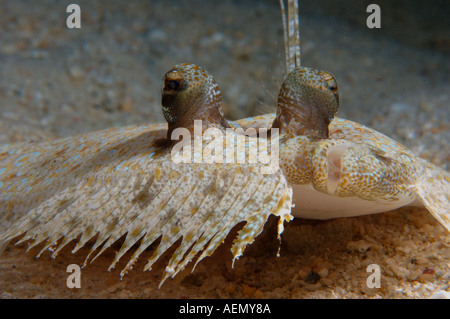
173	85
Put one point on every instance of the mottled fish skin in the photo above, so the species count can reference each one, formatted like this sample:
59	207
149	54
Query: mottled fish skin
123	181
339	168
348	168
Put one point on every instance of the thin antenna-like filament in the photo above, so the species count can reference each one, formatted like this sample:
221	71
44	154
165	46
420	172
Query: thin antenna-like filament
291	32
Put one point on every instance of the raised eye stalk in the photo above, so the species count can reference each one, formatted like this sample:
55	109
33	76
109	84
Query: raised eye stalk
307	103
190	93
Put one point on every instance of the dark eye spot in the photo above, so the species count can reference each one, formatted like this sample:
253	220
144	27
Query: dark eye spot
173	85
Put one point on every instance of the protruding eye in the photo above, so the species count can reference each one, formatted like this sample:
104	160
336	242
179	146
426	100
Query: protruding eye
173	85
173	81
331	84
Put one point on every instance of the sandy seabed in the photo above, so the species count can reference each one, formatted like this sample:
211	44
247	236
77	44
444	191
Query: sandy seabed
55	82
